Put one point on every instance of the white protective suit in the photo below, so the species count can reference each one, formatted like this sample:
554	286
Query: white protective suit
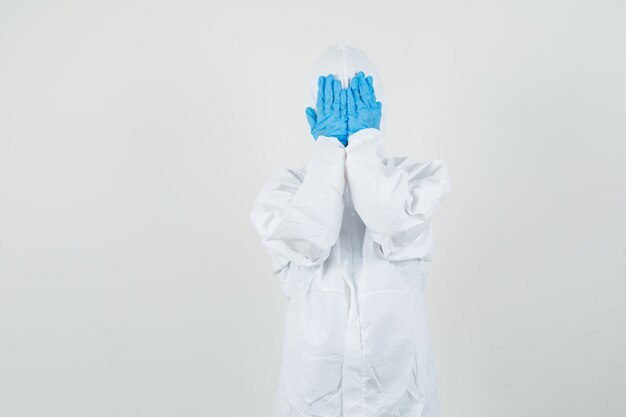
350	239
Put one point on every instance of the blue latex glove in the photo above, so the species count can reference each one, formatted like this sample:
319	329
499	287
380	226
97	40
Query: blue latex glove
331	118
363	109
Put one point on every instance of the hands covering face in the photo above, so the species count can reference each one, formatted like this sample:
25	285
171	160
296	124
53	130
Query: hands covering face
342	112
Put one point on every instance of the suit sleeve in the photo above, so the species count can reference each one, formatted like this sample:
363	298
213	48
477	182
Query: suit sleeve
298	214
395	197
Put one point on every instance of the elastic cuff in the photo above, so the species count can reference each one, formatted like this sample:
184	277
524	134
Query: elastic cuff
327	164
330	140
365	141
364	135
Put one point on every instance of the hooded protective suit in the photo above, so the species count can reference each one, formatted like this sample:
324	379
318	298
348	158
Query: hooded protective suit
350	238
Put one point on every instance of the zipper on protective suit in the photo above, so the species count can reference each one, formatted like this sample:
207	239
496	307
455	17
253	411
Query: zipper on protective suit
352	378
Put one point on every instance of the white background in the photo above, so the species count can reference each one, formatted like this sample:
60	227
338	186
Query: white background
135	135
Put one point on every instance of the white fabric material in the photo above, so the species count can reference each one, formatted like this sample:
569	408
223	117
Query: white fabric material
350	238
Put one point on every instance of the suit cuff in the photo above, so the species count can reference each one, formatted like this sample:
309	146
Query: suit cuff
327	163
364	142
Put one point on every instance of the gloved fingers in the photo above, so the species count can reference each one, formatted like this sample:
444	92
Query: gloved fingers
336	96
358	91
328	93
364	90
311	117
370	86
320	93
379	106
351	101
351	97
343	103
354	86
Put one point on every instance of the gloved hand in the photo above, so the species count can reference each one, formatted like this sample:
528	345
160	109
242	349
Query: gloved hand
363	109
331	118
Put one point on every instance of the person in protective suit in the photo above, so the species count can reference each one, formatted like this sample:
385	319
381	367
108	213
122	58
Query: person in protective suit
350	238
